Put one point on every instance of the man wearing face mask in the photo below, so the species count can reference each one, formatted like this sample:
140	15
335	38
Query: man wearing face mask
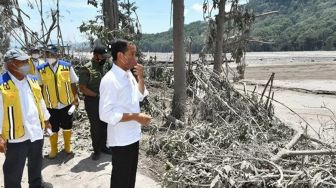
23	119
120	95
89	81
35	60
58	82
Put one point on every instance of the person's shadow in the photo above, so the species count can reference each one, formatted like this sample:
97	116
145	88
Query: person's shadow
61	158
89	165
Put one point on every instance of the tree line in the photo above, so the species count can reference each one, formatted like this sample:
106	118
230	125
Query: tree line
300	25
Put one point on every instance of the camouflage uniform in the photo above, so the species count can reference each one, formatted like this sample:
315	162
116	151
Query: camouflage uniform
91	75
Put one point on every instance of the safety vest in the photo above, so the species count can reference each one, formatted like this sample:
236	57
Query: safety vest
33	65
56	87
12	125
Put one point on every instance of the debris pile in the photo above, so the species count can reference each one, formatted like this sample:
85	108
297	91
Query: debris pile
233	139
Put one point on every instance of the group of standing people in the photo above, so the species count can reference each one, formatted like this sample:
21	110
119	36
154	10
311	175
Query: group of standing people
37	93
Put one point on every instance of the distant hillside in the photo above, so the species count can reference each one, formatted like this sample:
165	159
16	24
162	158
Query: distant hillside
300	25
163	42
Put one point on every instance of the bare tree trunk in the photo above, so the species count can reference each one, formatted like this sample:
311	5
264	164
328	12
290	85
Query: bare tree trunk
5	13
179	99
110	14
21	24
189	62
220	18
52	27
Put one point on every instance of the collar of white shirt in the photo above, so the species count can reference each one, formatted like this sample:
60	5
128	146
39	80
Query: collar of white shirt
15	80
119	72
54	68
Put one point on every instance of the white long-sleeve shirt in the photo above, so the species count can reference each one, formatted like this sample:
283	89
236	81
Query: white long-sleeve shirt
119	93
31	120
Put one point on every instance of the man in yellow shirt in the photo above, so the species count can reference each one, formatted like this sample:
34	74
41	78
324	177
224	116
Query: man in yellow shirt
58	82
23	119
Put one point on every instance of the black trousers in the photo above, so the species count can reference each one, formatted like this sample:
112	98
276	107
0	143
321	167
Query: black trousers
125	164
98	128
59	118
16	155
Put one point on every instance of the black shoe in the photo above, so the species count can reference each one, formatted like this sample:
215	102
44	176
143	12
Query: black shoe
95	156
107	151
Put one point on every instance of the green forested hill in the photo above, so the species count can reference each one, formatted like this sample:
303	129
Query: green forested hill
300	25
163	42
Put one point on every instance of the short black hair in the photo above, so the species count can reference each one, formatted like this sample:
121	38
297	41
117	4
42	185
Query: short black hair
116	46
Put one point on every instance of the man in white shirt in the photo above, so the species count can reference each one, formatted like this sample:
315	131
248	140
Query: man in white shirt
58	82
119	107
23	118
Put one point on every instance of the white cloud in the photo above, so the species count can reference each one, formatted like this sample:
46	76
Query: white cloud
198	7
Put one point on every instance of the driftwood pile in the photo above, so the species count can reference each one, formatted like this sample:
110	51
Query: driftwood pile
233	139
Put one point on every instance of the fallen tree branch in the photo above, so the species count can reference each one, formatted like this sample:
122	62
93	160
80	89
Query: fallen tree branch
317	141
292	112
281	177
170	118
309	152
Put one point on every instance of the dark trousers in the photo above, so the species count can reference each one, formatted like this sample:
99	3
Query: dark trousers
98	128
59	118
125	164
16	155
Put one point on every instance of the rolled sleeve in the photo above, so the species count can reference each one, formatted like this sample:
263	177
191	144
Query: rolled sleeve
142	96
84	77
108	103
45	111
73	76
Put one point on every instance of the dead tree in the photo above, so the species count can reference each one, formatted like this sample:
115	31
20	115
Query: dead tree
229	33
52	26
218	51
5	13
111	14
119	21
179	99
20	22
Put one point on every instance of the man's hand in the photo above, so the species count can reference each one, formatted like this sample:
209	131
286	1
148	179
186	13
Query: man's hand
3	145
143	119
47	126
76	101
139	71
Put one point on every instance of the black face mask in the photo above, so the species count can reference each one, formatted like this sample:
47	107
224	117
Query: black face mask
102	61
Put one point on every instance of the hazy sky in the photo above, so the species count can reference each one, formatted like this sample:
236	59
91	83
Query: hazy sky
154	15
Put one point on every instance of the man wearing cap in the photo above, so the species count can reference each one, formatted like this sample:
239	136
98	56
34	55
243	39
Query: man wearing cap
58	82
35	60
89	81
23	119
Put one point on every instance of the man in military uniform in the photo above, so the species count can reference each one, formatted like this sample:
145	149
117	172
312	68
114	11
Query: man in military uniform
58	82
89	81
